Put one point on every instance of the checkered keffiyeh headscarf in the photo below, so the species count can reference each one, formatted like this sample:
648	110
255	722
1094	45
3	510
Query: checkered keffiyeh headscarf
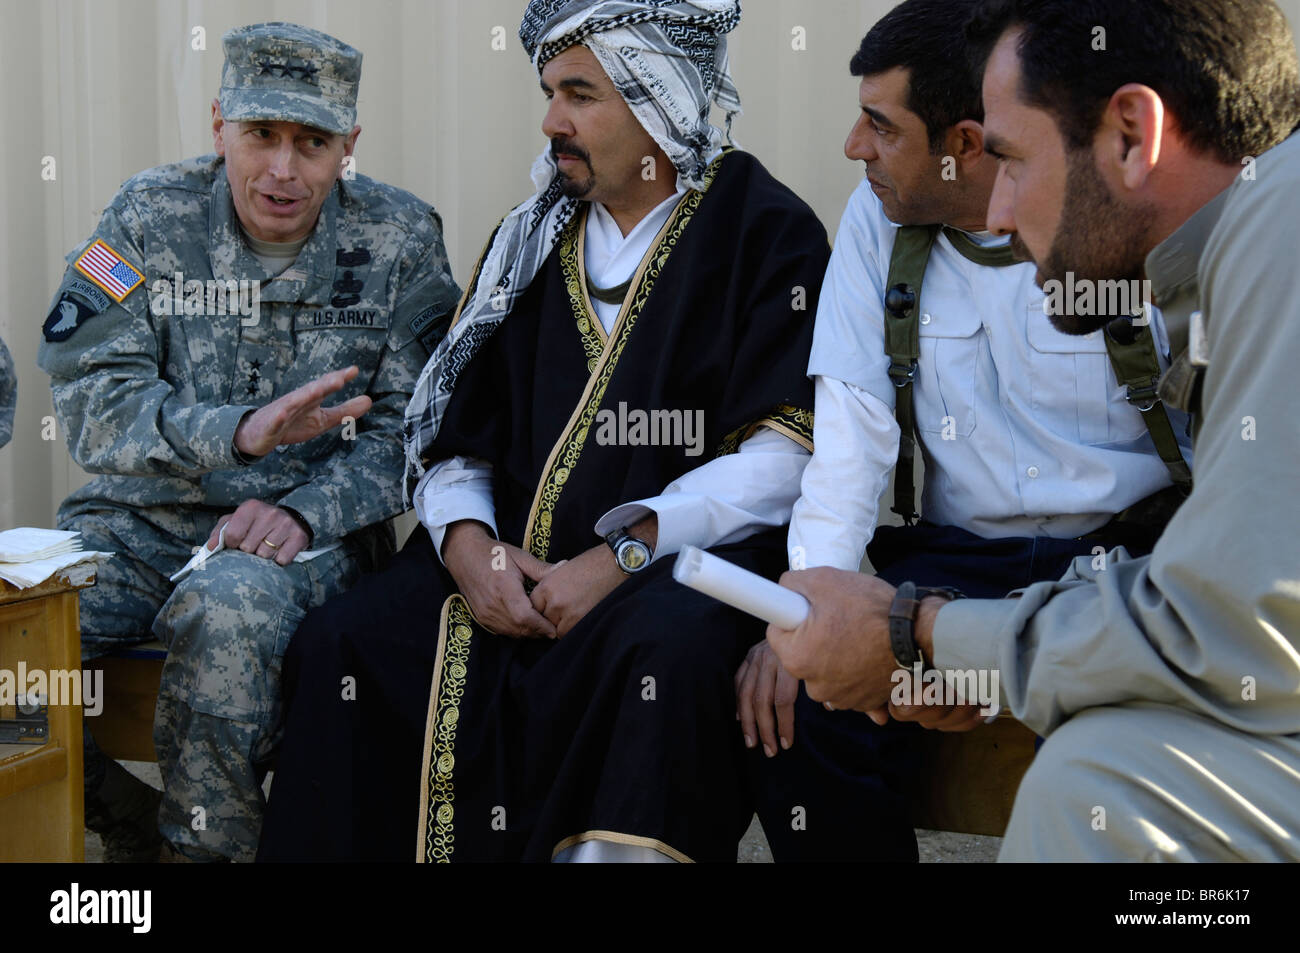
668	60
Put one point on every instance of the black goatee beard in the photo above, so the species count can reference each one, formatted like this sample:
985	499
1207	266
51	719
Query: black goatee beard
1098	239
571	187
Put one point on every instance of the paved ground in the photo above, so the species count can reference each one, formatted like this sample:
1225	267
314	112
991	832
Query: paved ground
936	847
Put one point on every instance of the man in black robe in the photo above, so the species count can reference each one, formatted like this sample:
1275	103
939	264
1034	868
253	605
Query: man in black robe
629	362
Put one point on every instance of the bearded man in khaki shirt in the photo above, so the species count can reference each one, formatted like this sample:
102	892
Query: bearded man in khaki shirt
1138	141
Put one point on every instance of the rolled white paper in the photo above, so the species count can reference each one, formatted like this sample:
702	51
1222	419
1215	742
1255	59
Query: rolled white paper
745	590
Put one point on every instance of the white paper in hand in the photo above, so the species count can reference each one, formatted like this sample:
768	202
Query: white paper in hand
745	590
204	554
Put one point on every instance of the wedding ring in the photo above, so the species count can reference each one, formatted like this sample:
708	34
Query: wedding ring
267	542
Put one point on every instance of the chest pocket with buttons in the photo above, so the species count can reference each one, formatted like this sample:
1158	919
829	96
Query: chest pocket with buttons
1073	389
951	348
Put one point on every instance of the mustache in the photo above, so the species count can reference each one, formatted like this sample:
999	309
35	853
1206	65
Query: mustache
560	145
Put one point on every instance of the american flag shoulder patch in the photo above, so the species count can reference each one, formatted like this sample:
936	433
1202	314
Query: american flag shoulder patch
109	270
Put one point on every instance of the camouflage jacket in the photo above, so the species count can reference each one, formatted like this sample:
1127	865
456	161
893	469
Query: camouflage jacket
8	395
151	386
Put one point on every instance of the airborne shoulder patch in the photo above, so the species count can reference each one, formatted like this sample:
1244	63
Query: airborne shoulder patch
99	301
108	270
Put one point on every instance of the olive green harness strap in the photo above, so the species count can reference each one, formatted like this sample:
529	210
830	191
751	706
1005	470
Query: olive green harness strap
912	247
1132	351
902	343
998	256
1132	354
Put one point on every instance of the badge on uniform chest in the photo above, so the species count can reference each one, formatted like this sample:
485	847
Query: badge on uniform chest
345	310
347	286
282	352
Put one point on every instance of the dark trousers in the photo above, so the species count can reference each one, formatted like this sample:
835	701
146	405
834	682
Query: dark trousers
356	688
561	731
842	791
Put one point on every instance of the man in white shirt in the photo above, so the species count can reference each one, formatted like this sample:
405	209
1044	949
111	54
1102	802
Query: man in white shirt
1031	444
629	362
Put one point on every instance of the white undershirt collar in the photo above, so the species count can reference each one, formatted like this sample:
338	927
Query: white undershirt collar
611	257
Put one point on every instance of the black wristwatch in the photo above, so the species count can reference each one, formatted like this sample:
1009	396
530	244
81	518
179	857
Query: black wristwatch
902	620
631	554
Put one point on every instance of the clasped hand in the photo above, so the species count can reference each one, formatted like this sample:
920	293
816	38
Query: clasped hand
491	574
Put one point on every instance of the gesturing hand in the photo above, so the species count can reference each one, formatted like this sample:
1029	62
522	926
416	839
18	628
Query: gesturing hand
298	416
492	580
263	530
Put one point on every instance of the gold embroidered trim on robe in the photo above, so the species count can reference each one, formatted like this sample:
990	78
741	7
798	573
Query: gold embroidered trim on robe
572	250
437	793
795	422
564	455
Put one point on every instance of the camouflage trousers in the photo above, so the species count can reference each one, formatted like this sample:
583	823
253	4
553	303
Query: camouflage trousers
226	628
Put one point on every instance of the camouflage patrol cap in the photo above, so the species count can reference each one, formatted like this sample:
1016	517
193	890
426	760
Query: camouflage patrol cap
290	73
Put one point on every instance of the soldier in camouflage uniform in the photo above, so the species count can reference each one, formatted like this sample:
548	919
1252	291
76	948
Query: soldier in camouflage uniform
8	395
200	410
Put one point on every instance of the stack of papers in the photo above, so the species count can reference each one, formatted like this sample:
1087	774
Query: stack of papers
26	544
29	556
